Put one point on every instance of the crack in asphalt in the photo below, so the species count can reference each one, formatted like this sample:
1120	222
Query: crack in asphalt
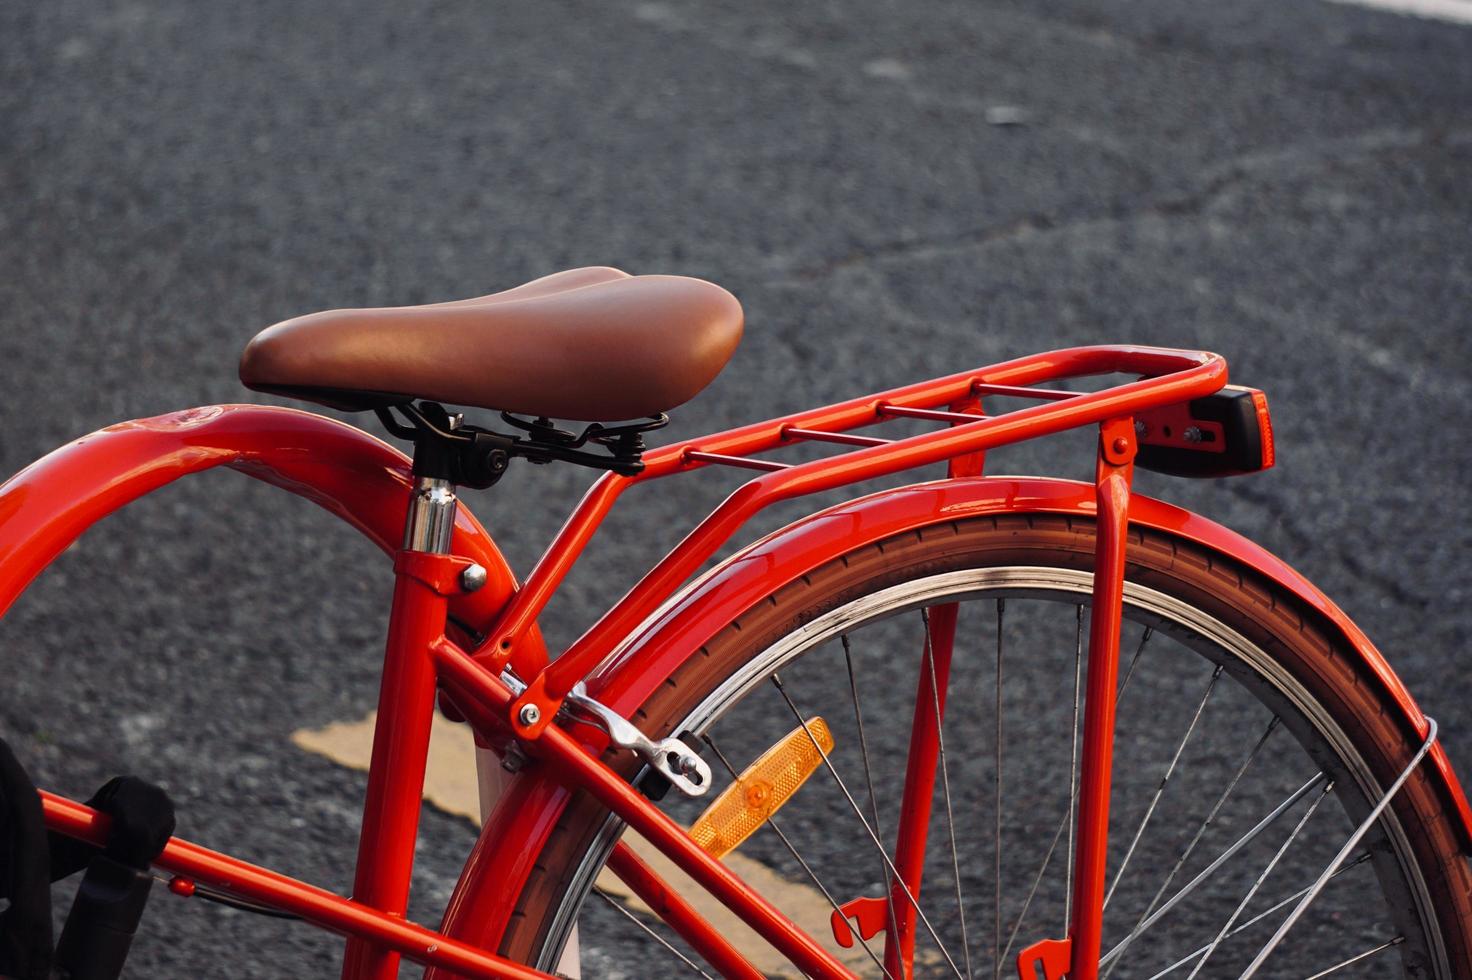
1293	160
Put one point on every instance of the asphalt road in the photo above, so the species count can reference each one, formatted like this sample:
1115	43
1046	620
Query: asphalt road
1285	183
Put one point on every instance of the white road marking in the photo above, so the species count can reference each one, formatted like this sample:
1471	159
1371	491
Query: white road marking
450	784
1459	11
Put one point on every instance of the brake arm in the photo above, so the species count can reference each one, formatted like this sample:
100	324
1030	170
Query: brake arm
675	760
671	757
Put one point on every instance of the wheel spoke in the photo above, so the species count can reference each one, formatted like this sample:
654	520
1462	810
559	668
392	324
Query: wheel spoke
945	783
1359	957
1349	845
1067	823
1212	868
1262	876
853	805
1012	936
997	848
1244	926
657	937
1134	661
1078	676
853	688
1159	790
1195	839
771	822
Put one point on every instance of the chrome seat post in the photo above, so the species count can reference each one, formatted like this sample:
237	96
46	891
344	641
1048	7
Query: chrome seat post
431	517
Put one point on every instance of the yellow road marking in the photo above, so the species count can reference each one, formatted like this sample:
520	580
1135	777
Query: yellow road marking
449	782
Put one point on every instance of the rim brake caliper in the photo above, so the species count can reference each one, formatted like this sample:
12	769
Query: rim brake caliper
674	760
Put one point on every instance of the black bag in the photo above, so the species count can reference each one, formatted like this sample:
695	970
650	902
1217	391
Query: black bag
110	901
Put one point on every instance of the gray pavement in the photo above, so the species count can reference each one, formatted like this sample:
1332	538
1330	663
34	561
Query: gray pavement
1287	183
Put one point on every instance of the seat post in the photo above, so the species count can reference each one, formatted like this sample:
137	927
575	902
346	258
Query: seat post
431	516
430	520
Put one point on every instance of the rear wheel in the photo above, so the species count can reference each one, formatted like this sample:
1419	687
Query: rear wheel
1236	704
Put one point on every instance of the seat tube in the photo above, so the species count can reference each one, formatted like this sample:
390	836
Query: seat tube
1112	491
401	732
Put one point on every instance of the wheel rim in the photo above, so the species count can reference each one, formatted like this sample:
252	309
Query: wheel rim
1319	736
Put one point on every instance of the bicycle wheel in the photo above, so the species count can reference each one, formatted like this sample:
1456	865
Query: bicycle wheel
1235	705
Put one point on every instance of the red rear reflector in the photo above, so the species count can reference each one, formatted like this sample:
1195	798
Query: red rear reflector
1264	427
1226	433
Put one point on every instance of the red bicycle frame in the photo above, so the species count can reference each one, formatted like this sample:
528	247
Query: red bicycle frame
630	649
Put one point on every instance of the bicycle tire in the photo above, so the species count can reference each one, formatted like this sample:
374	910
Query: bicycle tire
1301	649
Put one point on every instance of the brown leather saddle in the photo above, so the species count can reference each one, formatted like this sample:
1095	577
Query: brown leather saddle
592	344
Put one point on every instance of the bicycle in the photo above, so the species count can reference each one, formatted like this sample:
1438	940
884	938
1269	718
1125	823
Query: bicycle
703	703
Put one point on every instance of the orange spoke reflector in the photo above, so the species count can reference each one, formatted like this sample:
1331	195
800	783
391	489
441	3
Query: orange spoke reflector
761	790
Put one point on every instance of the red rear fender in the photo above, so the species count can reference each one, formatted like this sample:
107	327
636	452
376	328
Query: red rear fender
683	625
